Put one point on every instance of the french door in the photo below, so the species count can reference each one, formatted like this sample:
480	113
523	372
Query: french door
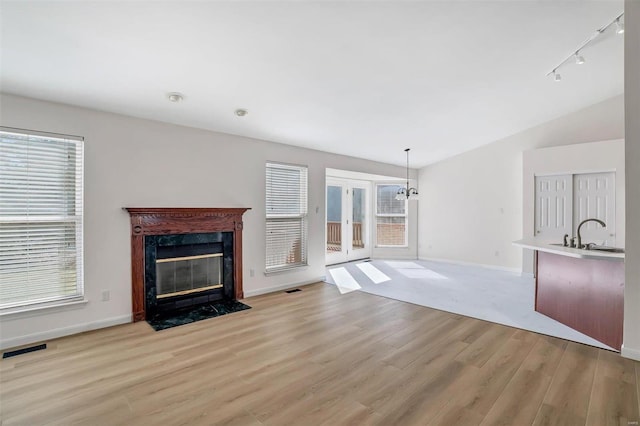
348	220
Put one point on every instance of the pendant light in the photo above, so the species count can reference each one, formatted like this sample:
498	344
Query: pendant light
407	193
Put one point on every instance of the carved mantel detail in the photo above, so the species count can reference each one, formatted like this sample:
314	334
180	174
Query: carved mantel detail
180	220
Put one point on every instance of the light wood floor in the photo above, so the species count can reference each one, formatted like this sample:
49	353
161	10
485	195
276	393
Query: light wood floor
319	358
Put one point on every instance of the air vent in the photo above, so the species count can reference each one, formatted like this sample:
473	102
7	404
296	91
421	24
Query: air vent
293	290
24	350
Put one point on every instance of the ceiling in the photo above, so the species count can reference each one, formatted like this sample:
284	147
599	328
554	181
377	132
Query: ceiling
366	79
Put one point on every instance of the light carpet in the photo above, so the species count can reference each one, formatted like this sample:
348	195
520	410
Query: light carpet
491	295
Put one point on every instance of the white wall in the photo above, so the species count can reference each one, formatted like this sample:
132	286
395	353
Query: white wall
631	340
471	206
140	163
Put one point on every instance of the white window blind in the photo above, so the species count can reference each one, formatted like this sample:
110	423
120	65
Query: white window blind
391	217
40	218
286	216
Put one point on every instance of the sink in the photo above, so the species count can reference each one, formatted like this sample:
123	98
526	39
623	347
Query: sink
594	248
607	249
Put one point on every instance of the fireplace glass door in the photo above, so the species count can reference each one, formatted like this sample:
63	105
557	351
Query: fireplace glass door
179	276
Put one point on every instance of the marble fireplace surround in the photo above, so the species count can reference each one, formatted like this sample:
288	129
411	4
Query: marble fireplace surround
146	221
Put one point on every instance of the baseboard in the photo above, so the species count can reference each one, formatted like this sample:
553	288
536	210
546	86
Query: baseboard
630	353
260	291
64	331
481	265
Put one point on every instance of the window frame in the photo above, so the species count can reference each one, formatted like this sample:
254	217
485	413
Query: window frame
379	215
302	216
36	303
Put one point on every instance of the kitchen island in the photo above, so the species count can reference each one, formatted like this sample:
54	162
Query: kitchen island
583	289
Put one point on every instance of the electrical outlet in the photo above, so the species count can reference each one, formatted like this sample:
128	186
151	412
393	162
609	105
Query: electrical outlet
252	272
106	295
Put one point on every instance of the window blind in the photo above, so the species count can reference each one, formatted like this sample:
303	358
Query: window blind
391	229
286	216
40	218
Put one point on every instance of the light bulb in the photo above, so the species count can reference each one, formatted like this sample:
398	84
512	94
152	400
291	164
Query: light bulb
175	97
619	26
579	59
556	76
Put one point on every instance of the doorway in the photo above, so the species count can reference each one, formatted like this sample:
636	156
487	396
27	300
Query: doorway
347	220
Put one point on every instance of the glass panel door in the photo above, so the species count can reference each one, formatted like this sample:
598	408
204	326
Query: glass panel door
347	228
334	218
359	226
357	208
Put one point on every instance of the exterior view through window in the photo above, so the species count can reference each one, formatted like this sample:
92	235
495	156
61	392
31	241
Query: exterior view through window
391	217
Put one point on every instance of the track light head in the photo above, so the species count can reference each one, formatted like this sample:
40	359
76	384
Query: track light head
576	56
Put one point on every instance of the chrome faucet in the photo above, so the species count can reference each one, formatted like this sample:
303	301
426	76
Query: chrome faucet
579	244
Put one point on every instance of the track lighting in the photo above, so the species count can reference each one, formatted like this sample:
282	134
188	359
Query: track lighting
576	56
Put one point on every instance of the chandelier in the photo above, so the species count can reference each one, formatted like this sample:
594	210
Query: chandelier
407	193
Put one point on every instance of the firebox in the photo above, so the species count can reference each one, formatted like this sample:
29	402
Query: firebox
187	270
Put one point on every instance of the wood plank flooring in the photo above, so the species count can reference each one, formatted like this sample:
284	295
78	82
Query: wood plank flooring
316	357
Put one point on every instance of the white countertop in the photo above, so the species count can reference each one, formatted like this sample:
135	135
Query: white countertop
533	244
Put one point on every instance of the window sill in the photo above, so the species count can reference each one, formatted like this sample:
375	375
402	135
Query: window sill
45	308
283	270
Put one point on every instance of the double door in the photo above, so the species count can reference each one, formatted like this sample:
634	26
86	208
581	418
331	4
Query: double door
347	220
563	201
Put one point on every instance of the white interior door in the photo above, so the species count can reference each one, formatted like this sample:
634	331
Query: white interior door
563	201
595	197
554	207
347	220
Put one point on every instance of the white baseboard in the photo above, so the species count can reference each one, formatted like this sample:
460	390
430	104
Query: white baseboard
630	353
64	331
260	291
481	265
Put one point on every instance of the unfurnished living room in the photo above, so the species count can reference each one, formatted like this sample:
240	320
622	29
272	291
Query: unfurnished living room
320	212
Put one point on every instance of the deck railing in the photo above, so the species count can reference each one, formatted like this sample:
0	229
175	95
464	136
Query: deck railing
334	236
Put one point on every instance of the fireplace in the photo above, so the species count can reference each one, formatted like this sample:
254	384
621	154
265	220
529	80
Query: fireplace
184	257
187	270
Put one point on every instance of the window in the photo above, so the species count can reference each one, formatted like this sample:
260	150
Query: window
40	218
286	209
391	217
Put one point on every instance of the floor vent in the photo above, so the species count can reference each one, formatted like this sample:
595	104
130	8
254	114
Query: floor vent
24	350
292	290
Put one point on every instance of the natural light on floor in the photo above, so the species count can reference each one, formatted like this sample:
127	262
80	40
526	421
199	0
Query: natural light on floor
492	295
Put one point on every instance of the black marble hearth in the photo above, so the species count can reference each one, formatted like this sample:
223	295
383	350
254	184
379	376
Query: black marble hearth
181	317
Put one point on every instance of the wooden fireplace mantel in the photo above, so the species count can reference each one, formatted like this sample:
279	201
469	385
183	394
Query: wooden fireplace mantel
180	220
